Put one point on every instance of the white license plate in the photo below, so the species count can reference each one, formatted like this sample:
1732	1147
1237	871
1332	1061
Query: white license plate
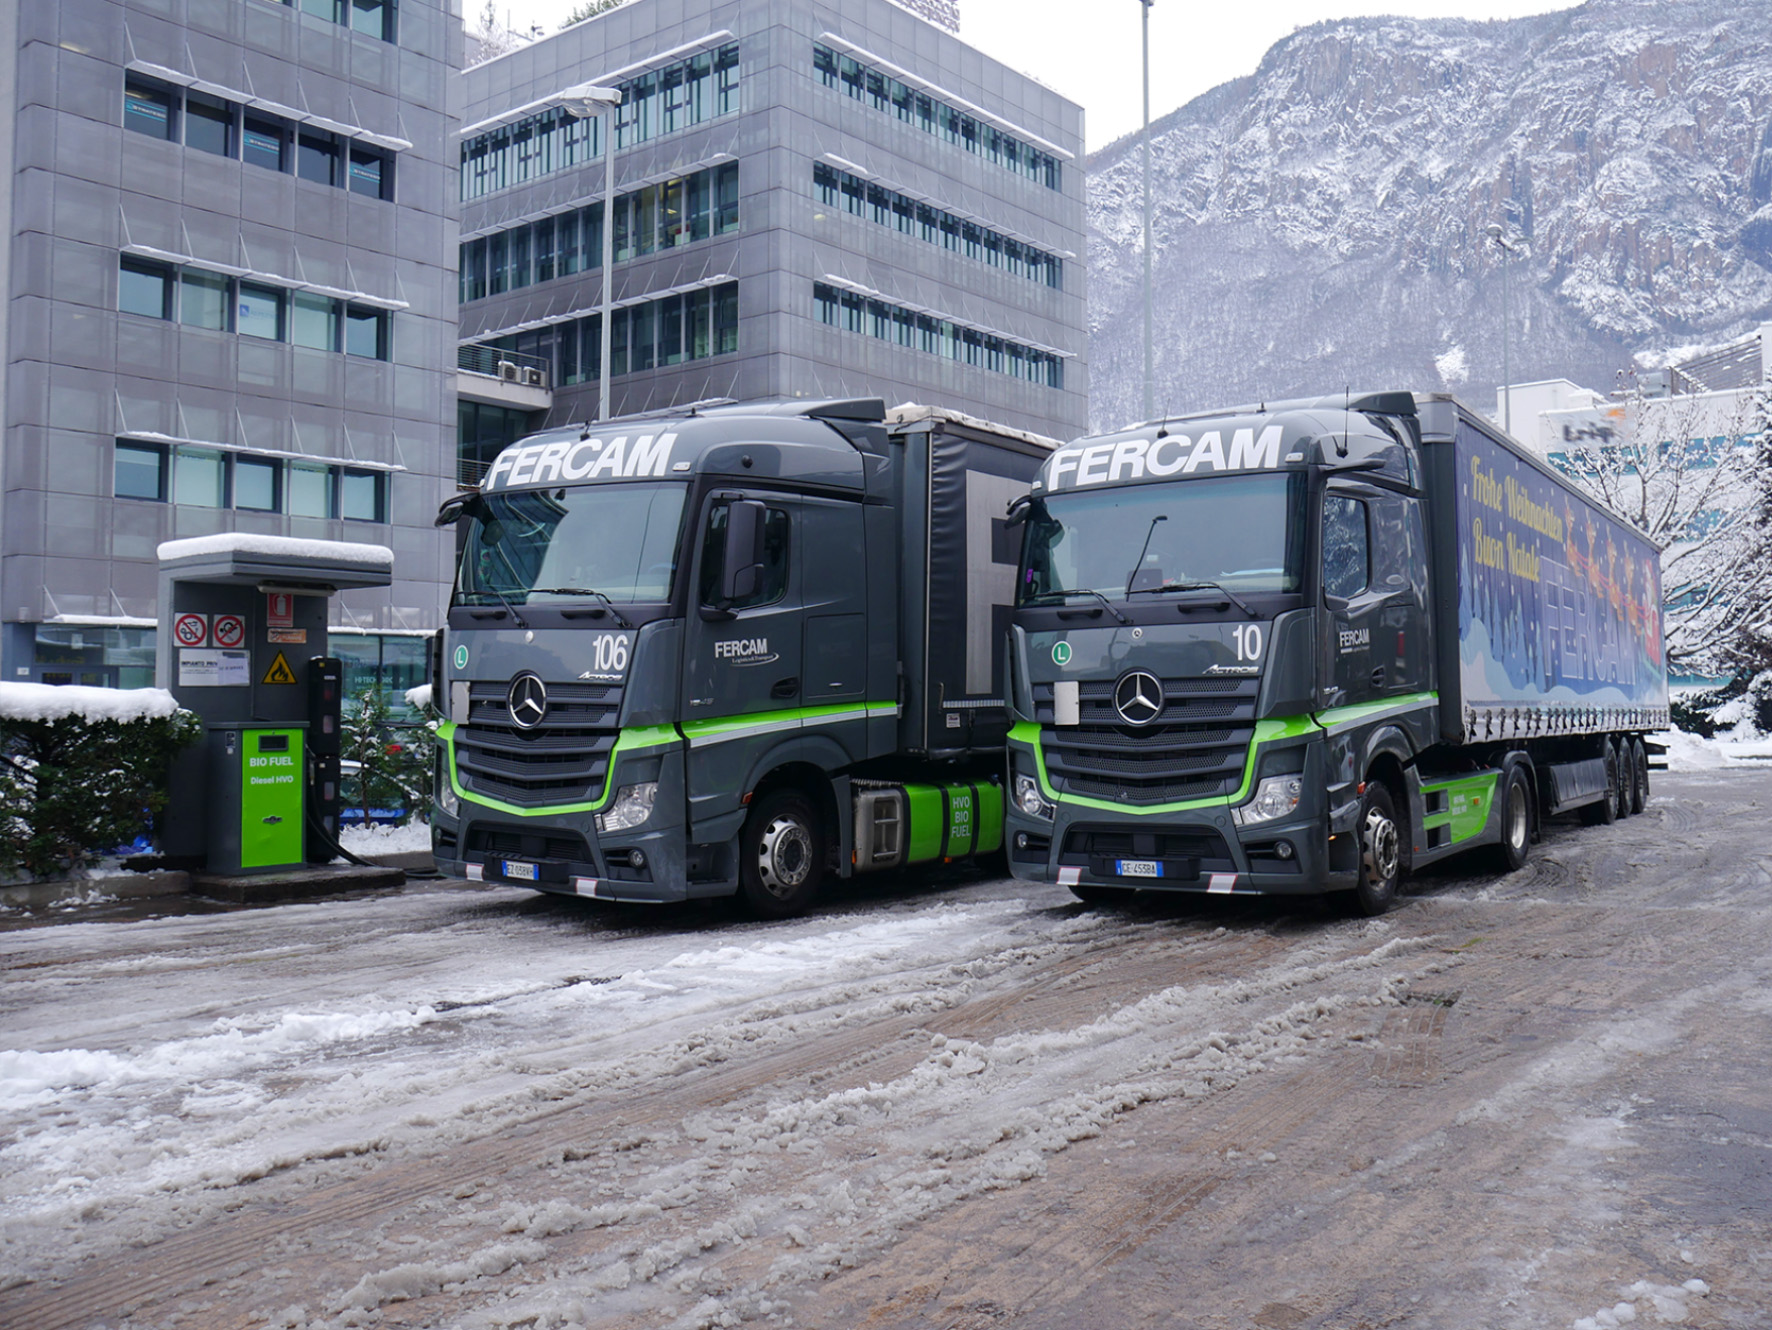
1138	868
524	872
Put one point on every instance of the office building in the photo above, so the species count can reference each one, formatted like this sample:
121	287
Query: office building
810	200
229	292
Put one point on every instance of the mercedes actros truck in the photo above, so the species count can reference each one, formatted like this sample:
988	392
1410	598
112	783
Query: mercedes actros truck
1305	647
734	648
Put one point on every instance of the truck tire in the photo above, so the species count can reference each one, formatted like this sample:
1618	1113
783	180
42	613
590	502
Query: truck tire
1639	757
1381	852
781	855
1627	776
1605	812
1516	821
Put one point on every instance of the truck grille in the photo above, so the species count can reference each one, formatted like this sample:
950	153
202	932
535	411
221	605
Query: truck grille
563	760
1195	749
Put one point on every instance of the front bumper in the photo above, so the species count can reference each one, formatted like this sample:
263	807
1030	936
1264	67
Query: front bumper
1192	847
560	851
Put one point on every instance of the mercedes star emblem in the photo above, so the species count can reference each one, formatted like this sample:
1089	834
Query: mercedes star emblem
1138	697
528	700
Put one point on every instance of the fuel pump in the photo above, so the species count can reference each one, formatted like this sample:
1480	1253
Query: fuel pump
325	741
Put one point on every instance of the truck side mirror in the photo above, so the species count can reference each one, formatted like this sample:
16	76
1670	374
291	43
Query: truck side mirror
742	570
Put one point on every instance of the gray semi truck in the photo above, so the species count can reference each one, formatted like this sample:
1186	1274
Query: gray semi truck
1307	646
734	648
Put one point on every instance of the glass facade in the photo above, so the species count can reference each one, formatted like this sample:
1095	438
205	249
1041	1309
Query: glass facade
853	312
655	218
225	304
936	226
690	325
663	101
933	116
200	477
215	125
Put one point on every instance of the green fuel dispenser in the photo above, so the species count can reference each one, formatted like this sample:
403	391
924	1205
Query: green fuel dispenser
242	643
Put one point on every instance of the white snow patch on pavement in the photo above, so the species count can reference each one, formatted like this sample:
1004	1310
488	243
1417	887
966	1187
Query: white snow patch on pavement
1667	1303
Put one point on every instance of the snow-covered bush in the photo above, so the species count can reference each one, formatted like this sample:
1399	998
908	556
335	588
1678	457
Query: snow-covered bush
394	761
82	770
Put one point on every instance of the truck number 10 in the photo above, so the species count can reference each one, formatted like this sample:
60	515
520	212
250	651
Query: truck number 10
1248	638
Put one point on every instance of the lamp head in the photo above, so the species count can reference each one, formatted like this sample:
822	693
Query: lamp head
586	100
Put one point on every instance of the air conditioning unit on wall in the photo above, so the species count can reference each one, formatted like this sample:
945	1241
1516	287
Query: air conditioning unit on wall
507	370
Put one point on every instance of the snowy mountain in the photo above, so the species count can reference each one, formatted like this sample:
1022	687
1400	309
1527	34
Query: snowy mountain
1322	223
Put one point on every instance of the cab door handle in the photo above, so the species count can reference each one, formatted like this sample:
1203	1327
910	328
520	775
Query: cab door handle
786	687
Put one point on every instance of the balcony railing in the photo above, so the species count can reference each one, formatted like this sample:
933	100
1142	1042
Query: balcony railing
509	366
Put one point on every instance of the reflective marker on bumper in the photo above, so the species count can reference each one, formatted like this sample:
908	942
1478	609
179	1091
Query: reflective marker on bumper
1069	877
476	872
585	886
1222	884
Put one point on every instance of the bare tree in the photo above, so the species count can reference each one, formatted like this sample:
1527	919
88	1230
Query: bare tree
491	37
590	9
1687	470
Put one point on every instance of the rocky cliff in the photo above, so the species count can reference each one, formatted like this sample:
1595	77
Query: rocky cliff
1322	223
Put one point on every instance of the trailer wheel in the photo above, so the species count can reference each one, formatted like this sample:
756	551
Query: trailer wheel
1627	776
1639	756
1605	812
1516	821
1381	852
781	855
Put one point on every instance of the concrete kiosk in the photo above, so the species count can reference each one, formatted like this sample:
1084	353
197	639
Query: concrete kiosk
242	643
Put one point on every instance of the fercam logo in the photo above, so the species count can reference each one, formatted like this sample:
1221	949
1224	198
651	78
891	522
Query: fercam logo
745	651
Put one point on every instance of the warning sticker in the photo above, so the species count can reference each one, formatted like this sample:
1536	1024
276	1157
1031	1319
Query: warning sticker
279	671
191	630
229	630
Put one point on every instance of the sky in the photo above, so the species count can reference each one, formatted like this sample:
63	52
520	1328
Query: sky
1090	52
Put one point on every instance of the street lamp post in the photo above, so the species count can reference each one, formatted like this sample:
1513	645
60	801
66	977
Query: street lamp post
1147	208
581	103
1507	397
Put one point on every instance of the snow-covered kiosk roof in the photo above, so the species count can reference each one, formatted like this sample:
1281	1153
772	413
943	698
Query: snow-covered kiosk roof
290	564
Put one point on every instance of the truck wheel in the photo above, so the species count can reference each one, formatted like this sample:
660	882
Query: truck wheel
1381	852
1516	821
1627	776
1605	812
781	855
1639	756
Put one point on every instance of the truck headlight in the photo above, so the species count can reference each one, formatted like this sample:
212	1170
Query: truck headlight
1029	799
632	806
1275	797
446	799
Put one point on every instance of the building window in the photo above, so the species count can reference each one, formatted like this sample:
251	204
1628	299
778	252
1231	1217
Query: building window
366	332
361	495
373	18
664	101
259	312
148	108
257	484
369	176
209	125
199	478
313	321
203	299
310	490
227	129
884	93
139	472
265	143
144	288
881	319
672	213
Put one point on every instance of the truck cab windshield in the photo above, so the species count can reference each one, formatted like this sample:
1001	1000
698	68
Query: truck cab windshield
1239	534
559	546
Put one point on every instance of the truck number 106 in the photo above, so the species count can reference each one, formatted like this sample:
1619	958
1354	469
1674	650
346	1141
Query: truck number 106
610	651
1248	638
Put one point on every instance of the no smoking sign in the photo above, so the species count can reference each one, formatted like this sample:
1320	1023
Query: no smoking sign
229	630
191	630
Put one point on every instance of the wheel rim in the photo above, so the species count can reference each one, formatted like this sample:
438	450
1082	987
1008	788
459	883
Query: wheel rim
1382	851
1516	816
784	856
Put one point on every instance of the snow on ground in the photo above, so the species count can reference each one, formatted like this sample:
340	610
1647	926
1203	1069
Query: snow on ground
1689	752
412	838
